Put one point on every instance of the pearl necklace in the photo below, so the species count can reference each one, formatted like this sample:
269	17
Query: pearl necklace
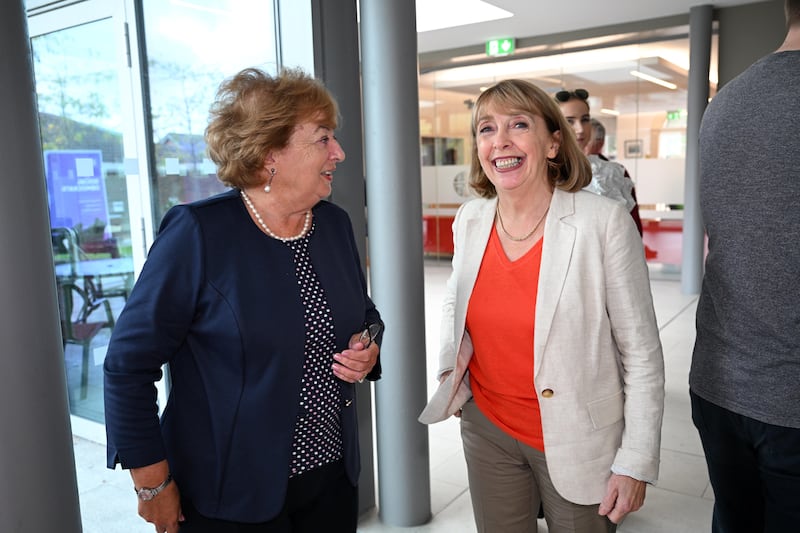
527	235
306	223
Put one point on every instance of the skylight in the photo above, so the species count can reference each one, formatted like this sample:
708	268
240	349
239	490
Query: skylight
440	14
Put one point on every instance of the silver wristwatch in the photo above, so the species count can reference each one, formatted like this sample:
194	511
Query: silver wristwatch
146	494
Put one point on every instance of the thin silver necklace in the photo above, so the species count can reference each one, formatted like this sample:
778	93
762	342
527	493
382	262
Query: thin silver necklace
306	223
527	235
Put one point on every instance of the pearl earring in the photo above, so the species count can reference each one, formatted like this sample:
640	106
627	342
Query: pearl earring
268	186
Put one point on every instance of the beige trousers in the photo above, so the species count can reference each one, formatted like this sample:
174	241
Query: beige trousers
508	480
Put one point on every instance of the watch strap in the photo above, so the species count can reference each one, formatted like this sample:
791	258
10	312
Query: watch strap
147	493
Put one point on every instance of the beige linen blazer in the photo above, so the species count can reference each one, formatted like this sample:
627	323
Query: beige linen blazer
598	364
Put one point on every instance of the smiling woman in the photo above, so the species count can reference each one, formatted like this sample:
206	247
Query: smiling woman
535	241
255	297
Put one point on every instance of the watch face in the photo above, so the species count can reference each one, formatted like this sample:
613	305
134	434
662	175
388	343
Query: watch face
146	494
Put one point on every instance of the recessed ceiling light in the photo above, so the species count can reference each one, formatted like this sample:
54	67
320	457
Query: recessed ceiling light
653	79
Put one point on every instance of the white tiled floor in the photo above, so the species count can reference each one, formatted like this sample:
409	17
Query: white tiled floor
680	503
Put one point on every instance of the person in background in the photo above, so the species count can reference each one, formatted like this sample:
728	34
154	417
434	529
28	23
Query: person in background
549	345
609	178
597	139
595	148
745	374
257	301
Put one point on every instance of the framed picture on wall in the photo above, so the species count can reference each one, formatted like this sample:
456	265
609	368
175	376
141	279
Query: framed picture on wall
634	148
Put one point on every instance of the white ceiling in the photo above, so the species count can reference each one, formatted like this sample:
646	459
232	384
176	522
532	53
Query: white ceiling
604	73
539	17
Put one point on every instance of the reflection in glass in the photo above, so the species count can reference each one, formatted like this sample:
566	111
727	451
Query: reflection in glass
81	132
191	48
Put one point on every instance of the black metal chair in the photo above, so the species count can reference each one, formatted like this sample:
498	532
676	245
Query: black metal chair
77	305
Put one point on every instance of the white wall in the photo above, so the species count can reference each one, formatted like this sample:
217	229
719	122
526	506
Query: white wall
444	188
658	181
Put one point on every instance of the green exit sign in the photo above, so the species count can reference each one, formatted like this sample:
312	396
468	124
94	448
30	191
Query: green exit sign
500	47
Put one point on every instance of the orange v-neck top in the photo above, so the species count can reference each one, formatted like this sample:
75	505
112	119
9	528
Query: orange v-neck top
500	320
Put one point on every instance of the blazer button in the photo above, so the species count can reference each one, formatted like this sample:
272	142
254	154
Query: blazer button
547	393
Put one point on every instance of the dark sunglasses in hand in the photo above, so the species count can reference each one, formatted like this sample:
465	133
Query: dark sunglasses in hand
565	96
369	335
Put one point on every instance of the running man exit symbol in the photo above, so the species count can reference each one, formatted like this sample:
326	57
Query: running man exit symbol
500	47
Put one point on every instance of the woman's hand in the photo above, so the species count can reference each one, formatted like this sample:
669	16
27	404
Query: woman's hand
164	510
623	495
353	365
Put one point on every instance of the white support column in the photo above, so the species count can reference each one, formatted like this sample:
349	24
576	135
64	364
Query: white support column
394	198
700	29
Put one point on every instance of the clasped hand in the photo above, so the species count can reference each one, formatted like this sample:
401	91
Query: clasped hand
353	365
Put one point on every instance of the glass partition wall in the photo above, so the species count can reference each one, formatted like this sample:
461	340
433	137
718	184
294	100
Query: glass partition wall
637	90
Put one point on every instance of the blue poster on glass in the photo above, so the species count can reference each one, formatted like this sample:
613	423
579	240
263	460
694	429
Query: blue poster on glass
76	188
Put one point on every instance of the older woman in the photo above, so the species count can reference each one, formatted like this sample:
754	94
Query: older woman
549	345
257	301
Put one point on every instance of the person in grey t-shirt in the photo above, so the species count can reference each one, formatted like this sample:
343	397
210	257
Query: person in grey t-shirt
745	374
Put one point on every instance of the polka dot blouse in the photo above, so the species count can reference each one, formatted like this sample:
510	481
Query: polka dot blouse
317	437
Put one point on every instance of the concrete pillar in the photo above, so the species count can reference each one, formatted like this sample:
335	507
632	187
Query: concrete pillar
394	200
38	485
700	30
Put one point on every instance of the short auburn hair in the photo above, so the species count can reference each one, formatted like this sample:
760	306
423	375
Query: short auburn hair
255	113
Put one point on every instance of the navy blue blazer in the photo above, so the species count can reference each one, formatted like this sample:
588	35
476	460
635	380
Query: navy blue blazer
219	301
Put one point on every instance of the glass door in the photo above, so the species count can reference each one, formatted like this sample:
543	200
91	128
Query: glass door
86	71
191	48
